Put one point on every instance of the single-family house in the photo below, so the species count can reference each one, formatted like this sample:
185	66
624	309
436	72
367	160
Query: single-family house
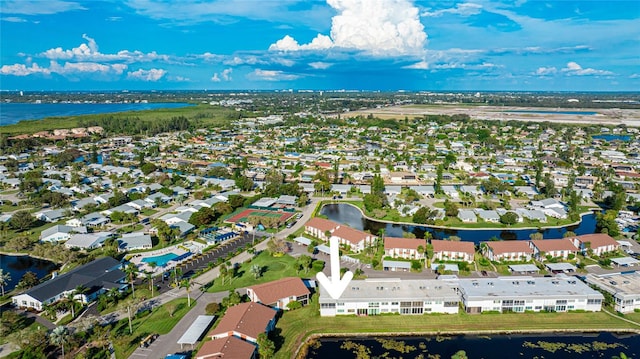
134	241
228	347
87	240
467	216
279	293
59	233
97	277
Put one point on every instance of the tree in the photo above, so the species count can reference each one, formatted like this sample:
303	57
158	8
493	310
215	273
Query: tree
186	284
59	336
606	223
535	236
256	270
28	280
224	272
305	262
266	347
450	208
538	176
5	278
21	220
294	304
203	217
438	184
131	270
148	167
509	218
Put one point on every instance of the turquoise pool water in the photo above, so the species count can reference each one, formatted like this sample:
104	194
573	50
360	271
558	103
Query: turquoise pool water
161	260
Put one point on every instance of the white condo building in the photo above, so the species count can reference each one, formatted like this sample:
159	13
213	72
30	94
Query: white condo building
625	289
520	294
391	295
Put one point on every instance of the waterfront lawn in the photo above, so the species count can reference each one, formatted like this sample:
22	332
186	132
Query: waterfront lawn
273	268
159	321
295	326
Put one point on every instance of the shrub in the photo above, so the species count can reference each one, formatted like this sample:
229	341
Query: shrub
212	308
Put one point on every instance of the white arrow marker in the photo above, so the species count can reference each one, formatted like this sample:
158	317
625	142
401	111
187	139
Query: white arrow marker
334	286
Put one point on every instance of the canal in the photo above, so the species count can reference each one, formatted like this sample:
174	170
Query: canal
351	216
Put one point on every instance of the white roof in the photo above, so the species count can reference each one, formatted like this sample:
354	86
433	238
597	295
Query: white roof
523	268
625	261
196	330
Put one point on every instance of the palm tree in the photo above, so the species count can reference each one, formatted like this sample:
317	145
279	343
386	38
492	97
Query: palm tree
82	290
149	276
130	305
67	302
224	271
5	278
256	270
186	284
59	336
132	271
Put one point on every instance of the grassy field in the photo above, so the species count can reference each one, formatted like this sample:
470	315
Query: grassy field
160	321
295	326
205	115
273	268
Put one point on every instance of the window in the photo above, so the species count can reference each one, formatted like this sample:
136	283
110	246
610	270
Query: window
328	305
416	310
450	304
594	301
394	303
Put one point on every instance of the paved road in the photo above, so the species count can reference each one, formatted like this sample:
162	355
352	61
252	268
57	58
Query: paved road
168	343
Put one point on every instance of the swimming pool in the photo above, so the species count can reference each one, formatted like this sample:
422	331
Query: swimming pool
161	260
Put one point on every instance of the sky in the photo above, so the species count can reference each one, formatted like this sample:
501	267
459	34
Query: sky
384	45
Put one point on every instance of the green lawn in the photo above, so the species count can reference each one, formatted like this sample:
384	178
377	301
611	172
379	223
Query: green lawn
148	212
160	321
272	268
297	325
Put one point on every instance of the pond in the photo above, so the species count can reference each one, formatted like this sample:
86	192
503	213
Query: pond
610	138
351	216
17	266
548	346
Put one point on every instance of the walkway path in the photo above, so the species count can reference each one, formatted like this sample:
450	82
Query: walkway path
621	318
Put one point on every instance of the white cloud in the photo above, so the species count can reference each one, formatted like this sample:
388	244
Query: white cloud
464	9
70	68
634	76
319	65
543	71
379	27
114	18
22	70
422	65
151	75
13	19
89	51
215	78
573	68
271	75
39	7
226	74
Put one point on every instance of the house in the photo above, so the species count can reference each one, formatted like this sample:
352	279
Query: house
407	248
452	251
229	347
507	250
391	295
528	191
277	294
450	191
487	215
50	216
245	321
520	294
59	233
97	277
134	241
467	216
356	240
556	248
317	227
87	240
599	243
625	289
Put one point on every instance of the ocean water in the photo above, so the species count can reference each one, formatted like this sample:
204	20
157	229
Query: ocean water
11	113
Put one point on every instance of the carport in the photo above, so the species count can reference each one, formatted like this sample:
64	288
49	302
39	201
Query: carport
196	330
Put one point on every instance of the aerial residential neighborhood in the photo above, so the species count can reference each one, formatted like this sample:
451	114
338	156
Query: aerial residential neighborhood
429	221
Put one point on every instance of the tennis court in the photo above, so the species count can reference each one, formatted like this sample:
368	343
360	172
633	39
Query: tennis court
243	215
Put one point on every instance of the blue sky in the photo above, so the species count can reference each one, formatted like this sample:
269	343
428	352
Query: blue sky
333	44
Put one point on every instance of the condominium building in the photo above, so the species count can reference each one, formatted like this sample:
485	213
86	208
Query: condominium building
625	289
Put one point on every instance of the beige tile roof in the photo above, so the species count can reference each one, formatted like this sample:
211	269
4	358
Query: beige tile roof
270	292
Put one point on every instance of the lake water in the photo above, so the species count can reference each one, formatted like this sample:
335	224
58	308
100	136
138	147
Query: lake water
547	346
14	112
610	138
579	113
17	266
351	216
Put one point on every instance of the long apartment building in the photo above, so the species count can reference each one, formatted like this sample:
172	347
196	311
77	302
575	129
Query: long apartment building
391	295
